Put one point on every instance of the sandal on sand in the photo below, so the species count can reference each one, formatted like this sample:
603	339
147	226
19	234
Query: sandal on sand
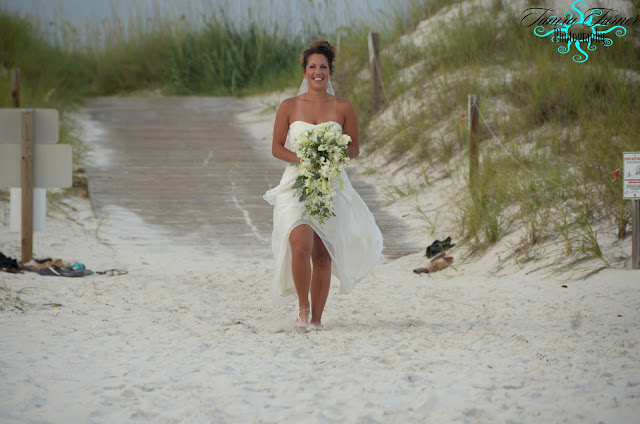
439	246
442	263
112	272
431	265
429	268
300	323
65	271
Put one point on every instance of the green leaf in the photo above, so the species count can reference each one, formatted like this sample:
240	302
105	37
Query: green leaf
299	182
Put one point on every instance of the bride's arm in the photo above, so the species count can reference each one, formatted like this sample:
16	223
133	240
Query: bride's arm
280	129
350	128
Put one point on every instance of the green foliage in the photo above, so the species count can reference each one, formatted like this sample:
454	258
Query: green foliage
224	60
48	75
216	58
562	126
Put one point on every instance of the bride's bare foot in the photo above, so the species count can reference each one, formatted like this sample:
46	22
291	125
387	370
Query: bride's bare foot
316	326
302	320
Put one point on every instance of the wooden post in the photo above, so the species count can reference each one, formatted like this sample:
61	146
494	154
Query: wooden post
635	234
374	58
15	87
474	120
27	185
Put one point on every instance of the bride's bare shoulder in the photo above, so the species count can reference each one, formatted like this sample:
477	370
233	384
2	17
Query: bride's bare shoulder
287	104
344	104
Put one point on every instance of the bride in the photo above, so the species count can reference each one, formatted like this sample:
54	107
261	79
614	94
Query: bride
349	244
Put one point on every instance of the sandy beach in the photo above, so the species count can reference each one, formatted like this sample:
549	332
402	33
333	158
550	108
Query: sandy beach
186	336
180	327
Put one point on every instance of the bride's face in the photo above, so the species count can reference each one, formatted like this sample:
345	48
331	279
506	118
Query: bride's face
317	72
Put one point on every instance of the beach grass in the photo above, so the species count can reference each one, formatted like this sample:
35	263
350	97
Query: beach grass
552	130
171	53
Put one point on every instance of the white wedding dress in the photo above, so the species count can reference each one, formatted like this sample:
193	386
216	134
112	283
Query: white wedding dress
352	237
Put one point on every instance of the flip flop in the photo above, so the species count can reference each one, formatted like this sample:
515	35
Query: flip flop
432	265
62	271
439	246
442	263
112	272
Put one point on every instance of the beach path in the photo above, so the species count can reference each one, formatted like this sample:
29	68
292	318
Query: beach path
190	167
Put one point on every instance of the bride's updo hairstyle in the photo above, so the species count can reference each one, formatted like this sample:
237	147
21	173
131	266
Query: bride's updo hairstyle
319	47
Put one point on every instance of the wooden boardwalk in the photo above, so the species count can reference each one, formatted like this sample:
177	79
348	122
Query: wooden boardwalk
187	167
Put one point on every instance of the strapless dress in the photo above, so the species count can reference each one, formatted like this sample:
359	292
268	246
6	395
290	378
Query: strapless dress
352	237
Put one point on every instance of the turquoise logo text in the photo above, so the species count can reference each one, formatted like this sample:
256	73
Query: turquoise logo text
583	32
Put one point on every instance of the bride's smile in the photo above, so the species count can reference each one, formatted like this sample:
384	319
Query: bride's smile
317	72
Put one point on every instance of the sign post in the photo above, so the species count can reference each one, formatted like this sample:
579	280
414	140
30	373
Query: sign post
474	123
29	158
631	191
373	40
635	234
15	87
27	184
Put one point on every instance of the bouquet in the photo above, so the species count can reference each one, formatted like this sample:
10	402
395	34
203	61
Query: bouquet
323	153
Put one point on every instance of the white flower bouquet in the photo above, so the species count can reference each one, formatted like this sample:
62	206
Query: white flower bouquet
323	153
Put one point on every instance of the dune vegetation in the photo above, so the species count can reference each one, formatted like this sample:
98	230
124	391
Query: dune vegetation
552	131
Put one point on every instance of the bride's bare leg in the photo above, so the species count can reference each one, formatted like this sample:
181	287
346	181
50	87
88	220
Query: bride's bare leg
320	280
301	241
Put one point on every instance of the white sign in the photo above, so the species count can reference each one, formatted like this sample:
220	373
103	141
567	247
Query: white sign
52	165
45	126
39	210
631	175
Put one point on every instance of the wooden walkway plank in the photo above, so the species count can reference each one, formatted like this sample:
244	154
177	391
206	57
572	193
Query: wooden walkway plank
187	166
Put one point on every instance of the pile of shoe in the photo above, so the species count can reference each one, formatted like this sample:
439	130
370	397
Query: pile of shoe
56	267
439	246
439	259
8	264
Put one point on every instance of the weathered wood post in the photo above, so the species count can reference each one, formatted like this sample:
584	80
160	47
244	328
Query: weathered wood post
15	87
27	185
474	121
374	59
26	150
635	234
